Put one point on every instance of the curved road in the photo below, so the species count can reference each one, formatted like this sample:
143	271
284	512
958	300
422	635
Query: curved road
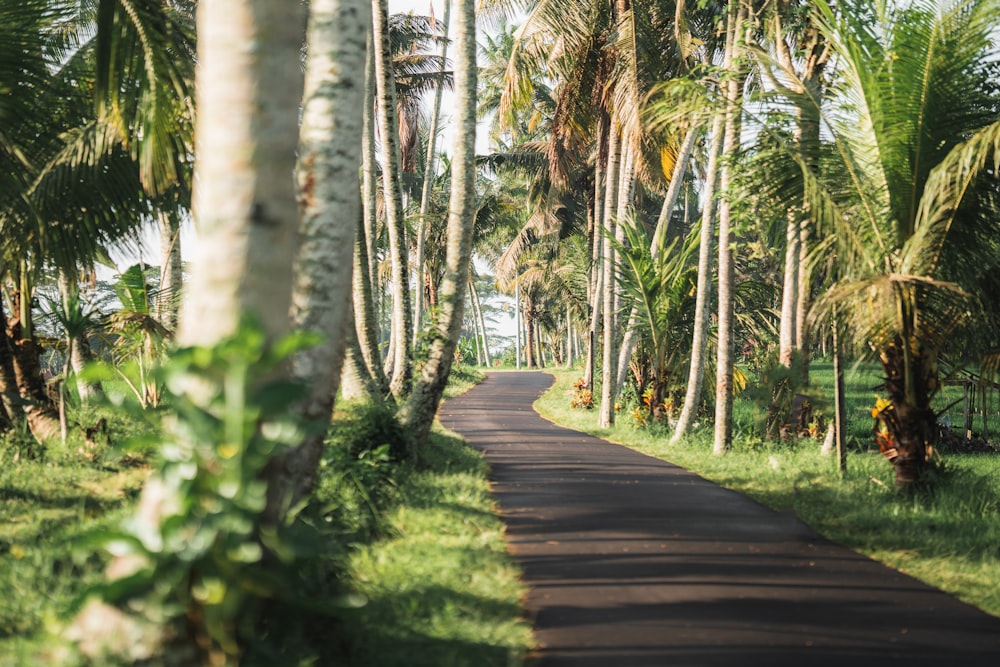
633	561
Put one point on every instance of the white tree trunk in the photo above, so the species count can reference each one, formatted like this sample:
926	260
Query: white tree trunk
369	187
419	411
696	371
606	415
328	174
724	351
789	290
596	265
393	195
249	86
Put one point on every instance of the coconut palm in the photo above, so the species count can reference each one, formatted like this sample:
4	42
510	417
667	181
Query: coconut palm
418	413
907	201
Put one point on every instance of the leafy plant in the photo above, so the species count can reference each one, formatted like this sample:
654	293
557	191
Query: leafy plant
197	557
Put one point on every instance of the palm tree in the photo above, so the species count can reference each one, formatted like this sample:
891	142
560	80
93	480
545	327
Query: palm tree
402	316
117	79
907	205
418	413
329	186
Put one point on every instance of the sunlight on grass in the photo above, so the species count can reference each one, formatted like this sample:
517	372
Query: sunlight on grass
441	588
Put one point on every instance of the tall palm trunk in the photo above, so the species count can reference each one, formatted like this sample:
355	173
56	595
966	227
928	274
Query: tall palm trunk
793	335
249	91
365	320
530	358
597	252
419	411
699	340
606	414
368	178
393	195
429	172
329	155
726	337
479	321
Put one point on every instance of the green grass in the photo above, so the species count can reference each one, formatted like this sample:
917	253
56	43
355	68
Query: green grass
440	586
417	540
948	537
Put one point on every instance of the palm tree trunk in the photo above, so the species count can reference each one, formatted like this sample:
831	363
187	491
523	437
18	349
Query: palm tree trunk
910	374
429	173
402	316
249	91
329	155
419	411
597	252
529	340
368	180
725	349
789	290
480	322
606	416
365	320
696	371
518	340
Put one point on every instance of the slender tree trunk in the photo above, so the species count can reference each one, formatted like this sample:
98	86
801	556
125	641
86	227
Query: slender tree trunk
429	173
726	335
606	415
480	321
402	320
529	341
171	270
249	90
789	291
419	411
365	319
517	324
328	175
597	252
696	371
368	182
839	400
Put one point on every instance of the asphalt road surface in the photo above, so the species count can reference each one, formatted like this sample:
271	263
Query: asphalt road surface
631	561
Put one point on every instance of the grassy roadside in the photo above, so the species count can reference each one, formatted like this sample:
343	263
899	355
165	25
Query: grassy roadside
949	538
411	552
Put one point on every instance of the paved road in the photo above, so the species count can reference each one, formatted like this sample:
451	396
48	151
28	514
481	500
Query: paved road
632	561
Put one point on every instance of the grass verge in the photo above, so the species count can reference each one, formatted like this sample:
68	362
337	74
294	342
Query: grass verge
948	537
409	563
